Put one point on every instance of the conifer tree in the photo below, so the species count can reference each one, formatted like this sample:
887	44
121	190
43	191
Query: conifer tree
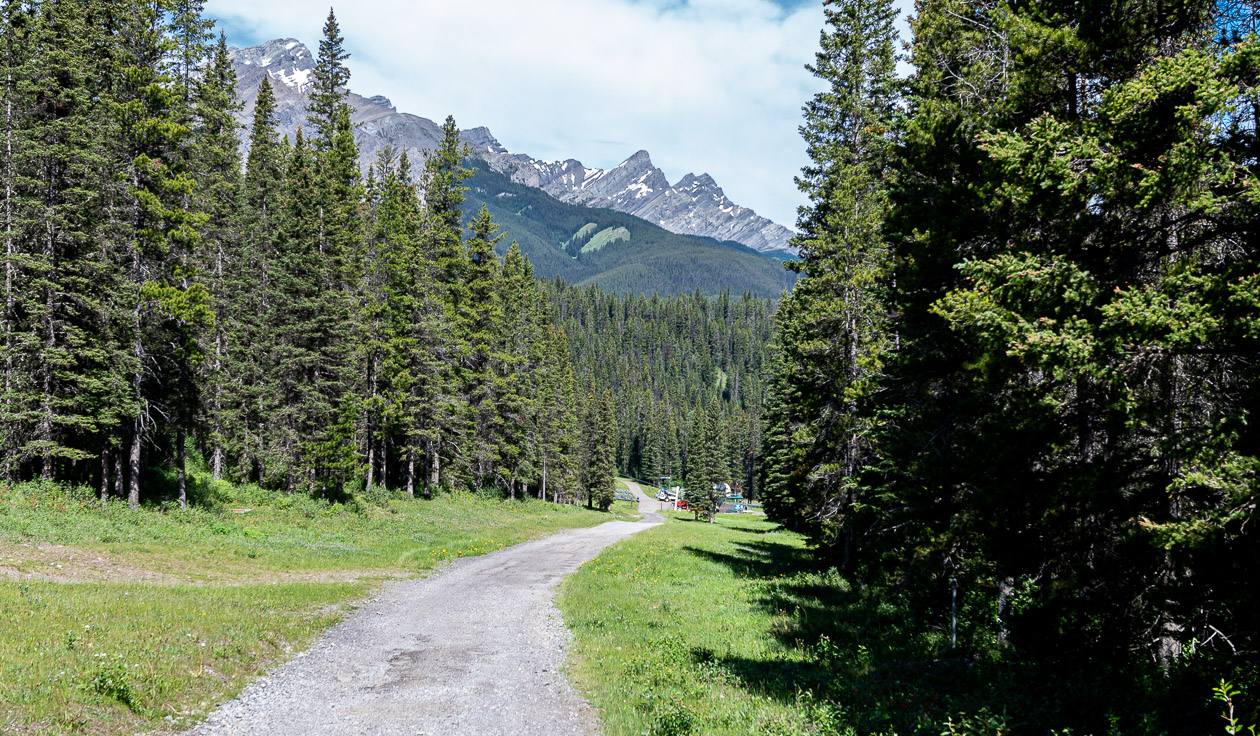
330	79
483	322
250	358
704	465
217	168
599	450
517	371
836	317
59	405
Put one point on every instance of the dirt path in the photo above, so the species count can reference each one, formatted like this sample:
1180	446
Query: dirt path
476	650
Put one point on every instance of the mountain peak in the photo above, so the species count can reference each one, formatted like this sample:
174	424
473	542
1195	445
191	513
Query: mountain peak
641	159
482	141
695	206
692	182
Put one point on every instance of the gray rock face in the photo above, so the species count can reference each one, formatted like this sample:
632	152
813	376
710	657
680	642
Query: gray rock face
696	205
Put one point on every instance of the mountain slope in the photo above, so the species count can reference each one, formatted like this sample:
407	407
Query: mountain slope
616	251
696	205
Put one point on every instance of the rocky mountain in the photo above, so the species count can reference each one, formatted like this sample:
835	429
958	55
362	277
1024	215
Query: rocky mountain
696	205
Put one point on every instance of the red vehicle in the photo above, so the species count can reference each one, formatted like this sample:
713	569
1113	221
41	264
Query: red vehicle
682	505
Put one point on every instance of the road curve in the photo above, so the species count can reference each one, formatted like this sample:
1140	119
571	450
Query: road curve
476	650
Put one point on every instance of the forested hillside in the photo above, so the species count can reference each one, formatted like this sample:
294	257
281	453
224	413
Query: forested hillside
615	251
295	323
687	374
1014	396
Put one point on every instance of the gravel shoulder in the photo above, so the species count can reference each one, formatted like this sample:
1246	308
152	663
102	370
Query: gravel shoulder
478	649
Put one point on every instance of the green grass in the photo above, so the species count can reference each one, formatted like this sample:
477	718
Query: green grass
583	234
719	629
605	238
130	621
673	636
289	534
112	658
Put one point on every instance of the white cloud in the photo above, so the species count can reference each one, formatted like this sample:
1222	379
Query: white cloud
705	85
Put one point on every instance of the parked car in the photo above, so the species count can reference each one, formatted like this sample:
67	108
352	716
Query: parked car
662	496
683	505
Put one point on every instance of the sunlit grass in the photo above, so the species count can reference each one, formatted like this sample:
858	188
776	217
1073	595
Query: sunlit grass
125	621
673	634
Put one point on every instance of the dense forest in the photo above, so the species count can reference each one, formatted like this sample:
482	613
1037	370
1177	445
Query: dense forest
687	374
1013	397
294	322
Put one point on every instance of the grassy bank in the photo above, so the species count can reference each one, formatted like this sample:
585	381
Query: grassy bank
724	629
695	629
673	635
119	621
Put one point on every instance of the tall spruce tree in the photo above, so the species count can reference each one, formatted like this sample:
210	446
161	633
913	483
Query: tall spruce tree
444	188
250	358
832	329
217	168
483	322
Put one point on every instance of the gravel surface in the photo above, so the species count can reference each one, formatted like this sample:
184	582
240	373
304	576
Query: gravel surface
478	650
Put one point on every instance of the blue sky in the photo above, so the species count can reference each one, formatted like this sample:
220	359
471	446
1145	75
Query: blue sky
710	86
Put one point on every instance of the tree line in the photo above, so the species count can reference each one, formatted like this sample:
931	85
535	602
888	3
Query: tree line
301	324
687	374
1016	388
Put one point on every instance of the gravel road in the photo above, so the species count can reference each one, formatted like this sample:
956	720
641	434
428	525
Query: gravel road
478	650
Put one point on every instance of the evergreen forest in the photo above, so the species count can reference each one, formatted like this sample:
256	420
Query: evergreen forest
1013	397
1002	421
267	310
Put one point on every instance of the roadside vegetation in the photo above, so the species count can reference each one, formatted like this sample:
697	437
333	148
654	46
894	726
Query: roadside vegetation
730	628
121	621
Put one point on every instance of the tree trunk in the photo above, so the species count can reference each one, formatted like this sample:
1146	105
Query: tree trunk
181	469
371	460
50	343
104	475
411	473
133	491
385	462
9	470
435	468
542	489
118	474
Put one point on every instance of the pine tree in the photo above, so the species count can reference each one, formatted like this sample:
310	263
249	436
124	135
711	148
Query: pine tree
59	398
328	90
250	366
599	450
483	320
703	463
517	376
413	323
14	49
217	168
557	443
444	189
836	316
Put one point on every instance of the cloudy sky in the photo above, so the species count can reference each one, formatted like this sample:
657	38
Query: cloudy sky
706	85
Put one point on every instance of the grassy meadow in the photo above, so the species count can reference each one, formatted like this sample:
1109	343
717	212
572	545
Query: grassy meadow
722	629
119	621
674	637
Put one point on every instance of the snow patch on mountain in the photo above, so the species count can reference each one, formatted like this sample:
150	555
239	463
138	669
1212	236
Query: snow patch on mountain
695	205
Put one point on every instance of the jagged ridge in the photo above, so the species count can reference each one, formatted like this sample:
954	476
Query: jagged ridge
696	205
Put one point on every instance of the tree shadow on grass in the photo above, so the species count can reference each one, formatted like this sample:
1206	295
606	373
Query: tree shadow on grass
843	644
758	558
